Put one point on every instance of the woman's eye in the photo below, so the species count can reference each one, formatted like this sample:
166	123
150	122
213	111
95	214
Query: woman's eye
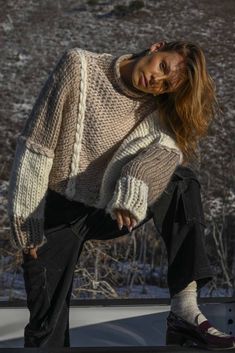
162	66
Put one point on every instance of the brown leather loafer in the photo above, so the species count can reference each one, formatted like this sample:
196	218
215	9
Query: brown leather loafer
183	333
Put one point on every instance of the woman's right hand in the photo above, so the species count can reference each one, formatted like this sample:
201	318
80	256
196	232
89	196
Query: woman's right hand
31	252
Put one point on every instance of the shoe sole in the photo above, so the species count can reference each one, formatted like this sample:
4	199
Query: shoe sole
175	339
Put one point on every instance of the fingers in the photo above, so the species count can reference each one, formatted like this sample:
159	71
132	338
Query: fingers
124	217
134	222
119	219
31	252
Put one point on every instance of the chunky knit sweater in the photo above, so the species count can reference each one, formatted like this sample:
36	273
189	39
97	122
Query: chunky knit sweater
92	139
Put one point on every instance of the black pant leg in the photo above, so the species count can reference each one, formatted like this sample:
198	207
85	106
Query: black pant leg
59	210
179	219
49	278
48	283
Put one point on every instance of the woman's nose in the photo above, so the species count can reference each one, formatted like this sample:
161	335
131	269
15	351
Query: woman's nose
158	76
155	79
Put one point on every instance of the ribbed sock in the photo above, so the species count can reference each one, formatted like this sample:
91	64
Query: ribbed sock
184	304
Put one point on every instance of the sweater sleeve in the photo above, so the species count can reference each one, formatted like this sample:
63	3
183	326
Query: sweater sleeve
144	178
33	159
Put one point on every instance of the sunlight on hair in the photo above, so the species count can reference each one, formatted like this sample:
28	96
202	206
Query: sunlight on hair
188	111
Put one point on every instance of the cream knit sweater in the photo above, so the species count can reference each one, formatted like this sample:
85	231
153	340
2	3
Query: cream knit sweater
92	139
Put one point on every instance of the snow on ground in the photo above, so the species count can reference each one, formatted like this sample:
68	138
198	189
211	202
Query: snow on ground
33	37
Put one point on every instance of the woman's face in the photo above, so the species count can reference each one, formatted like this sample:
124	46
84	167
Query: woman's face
157	73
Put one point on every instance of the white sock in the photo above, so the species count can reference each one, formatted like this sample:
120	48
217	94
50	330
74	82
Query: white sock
184	304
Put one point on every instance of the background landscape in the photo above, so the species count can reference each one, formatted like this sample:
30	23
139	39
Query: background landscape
33	35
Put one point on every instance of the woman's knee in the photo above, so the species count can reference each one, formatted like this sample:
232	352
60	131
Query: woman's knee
181	198
190	193
185	172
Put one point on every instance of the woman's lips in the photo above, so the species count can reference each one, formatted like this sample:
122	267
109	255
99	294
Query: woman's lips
146	82
143	81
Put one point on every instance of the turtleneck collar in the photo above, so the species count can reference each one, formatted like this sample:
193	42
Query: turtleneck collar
121	83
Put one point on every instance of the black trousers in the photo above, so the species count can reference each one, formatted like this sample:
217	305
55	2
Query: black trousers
178	217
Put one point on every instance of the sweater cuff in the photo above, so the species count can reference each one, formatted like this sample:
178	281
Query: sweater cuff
130	194
26	234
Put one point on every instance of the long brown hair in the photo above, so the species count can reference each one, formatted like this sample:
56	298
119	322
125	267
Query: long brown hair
188	112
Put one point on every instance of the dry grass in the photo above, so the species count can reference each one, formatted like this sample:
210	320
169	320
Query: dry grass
33	37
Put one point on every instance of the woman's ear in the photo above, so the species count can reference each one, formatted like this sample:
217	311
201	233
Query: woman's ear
157	46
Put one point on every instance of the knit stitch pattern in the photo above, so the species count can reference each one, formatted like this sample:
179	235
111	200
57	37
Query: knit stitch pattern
70	190
26	202
92	139
130	194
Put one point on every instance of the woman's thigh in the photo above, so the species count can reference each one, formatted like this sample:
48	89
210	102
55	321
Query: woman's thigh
93	223
97	225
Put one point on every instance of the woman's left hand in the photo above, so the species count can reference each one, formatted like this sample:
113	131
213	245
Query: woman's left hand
124	217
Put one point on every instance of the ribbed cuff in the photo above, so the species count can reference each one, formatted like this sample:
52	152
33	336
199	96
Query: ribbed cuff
26	234
130	194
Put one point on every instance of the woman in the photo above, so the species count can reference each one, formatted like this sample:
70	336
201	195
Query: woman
103	148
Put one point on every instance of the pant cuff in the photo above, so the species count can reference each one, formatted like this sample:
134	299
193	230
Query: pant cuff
202	278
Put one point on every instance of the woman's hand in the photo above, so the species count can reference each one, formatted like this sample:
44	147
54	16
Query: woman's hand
31	252
124	217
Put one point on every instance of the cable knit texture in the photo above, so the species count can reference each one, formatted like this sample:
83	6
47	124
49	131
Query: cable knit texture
91	138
